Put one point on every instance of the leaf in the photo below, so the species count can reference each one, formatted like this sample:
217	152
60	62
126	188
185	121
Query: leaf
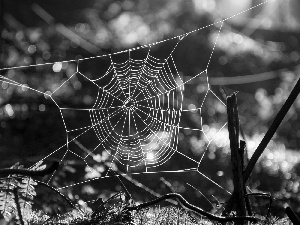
26	192
7	204
38	166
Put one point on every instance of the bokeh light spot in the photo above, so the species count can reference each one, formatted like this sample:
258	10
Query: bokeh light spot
9	110
42	107
31	49
57	67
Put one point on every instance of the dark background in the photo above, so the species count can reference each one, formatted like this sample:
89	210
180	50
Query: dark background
257	55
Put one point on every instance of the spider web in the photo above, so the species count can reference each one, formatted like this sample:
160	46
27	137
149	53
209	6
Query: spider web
135	107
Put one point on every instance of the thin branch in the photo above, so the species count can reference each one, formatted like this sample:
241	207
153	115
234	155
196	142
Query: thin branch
30	173
265	141
167	184
65	31
292	216
243	156
273	128
191	207
236	155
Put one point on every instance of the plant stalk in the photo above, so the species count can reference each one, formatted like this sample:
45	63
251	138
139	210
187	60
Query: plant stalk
236	156
265	141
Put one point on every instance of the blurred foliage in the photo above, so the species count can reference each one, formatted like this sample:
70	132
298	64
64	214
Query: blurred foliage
37	32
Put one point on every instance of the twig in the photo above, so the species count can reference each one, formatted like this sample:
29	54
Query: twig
31	173
242	158
18	206
191	207
293	217
167	184
68	33
273	128
236	156
268	136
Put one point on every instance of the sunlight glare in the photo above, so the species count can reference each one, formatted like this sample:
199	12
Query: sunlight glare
150	156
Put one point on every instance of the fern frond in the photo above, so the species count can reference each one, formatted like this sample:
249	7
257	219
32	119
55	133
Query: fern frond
26	193
7	204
